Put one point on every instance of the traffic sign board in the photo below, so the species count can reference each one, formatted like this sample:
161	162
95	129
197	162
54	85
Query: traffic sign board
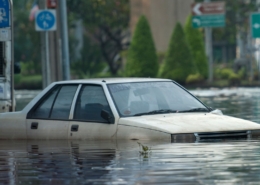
5	14
255	25
208	14
208	8
208	21
45	20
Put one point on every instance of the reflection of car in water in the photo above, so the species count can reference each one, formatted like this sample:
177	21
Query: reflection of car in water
123	108
55	162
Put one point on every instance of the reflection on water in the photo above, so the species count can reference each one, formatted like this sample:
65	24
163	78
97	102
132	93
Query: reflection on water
81	162
104	162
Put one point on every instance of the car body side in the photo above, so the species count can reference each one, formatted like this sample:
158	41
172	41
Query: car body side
158	127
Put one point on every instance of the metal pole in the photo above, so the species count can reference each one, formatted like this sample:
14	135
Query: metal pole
64	38
12	59
48	75
251	58
208	40
42	5
208	49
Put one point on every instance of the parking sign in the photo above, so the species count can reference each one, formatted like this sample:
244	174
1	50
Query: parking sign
45	20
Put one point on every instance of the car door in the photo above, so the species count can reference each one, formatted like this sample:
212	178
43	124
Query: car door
49	118
87	122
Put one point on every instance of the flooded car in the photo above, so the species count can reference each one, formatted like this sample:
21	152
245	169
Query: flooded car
121	109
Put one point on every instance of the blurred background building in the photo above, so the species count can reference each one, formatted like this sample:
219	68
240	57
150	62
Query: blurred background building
162	16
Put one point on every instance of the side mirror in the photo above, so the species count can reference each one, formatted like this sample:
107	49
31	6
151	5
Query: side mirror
107	116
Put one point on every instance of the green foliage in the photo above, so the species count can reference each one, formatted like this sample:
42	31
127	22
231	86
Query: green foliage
29	68
106	22
90	63
27	47
96	13
242	73
142	58
144	149
195	40
161	58
223	73
178	64
194	79
27	81
234	79
229	75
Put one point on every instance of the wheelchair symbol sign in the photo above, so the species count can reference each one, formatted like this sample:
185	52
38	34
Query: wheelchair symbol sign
45	20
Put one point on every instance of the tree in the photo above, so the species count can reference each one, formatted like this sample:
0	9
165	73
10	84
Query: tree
178	64
27	47
90	63
142	58
195	41
107	24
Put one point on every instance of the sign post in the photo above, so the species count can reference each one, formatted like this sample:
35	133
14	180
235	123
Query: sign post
7	100
5	21
207	15
45	20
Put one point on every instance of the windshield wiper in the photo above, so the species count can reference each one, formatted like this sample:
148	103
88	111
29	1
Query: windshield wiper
161	111
196	110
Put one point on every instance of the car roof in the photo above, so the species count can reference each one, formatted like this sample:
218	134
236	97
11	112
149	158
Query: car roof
112	80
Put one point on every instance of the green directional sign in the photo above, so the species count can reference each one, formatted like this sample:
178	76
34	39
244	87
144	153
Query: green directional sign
217	20
255	25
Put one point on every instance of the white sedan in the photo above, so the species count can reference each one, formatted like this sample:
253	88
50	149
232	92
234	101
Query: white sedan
121	108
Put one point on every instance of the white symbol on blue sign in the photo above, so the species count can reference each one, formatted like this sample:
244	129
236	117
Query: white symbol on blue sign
4	14
46	20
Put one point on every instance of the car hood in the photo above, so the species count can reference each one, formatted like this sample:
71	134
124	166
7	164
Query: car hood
189	123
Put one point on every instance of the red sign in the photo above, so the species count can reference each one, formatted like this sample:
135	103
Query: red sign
51	3
208	8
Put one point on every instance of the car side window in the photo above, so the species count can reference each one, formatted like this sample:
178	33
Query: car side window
62	104
56	105
90	102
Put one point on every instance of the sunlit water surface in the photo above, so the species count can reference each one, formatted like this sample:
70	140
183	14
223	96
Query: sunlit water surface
115	162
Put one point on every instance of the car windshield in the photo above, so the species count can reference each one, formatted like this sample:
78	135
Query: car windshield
144	98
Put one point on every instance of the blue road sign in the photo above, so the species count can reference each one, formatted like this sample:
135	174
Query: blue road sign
4	14
45	20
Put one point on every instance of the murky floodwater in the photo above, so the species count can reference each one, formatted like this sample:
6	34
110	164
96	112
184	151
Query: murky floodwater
89	162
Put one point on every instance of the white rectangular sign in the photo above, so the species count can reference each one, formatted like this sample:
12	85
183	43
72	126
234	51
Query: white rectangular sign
5	34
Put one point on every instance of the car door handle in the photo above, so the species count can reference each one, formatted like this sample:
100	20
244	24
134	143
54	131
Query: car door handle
74	128
34	125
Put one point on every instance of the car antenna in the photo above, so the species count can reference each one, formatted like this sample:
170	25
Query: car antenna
104	81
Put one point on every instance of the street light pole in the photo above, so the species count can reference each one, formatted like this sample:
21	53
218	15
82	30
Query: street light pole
64	38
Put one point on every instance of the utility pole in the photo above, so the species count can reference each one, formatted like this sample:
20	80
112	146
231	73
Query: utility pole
64	38
208	48
45	52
